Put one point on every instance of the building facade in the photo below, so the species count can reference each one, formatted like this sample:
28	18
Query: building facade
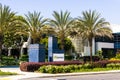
108	46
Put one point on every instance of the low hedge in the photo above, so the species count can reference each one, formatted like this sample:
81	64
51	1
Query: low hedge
77	68
33	66
56	69
100	64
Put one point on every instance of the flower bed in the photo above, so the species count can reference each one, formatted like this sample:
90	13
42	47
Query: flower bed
33	66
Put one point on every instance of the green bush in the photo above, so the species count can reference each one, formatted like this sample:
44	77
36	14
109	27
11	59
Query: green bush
117	56
63	69
110	65
8	61
42	69
51	69
117	65
54	69
77	68
87	66
24	58
113	65
59	69
66	69
72	67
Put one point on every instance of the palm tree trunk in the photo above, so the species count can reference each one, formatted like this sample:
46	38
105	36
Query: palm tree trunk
0	51
90	45
1	38
62	43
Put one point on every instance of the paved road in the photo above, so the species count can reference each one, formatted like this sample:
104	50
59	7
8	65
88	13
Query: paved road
114	76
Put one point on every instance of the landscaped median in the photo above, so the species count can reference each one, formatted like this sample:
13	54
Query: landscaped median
70	66
33	66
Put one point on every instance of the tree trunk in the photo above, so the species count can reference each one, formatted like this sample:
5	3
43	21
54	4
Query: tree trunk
0	51
90	45
62	43
1	39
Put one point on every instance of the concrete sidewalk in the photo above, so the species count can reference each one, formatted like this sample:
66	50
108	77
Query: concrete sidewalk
23	75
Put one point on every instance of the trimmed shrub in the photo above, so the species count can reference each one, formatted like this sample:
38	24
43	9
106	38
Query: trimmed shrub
54	69
59	69
87	66
100	64
110	65
73	65
30	66
117	56
51	69
42	69
114	61
66	69
33	66
24	58
113	65
8	61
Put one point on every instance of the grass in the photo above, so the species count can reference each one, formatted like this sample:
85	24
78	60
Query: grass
96	69
7	73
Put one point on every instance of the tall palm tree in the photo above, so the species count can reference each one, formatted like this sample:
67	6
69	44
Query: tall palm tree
61	23
94	26
48	30
7	20
34	22
77	36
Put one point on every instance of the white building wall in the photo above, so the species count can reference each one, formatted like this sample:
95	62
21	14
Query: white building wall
100	45
87	49
77	42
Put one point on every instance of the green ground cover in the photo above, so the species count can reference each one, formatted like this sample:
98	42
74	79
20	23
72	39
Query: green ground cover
6	73
78	68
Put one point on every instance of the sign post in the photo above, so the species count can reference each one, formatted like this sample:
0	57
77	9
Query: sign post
36	53
50	48
54	53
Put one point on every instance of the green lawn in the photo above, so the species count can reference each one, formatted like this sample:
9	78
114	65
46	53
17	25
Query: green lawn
6	73
95	70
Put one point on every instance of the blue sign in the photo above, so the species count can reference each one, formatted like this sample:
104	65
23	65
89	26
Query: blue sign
53	48
36	53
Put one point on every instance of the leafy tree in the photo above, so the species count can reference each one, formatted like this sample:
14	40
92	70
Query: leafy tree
7	22
67	44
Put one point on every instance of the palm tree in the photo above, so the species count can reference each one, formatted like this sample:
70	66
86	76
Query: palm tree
33	23
94	26
48	30
7	21
77	36
61	23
